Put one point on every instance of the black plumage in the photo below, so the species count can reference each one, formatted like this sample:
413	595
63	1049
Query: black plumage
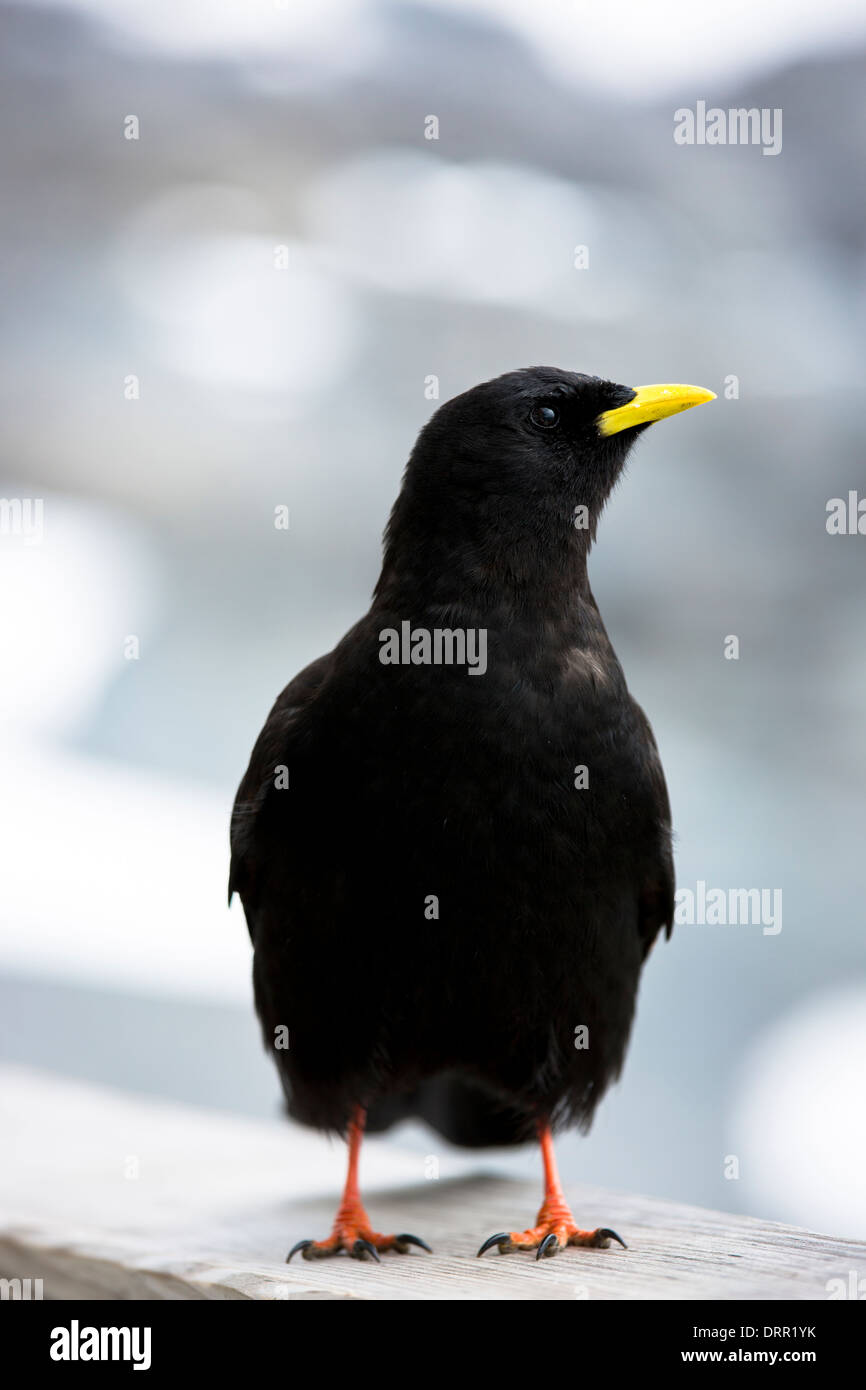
409	782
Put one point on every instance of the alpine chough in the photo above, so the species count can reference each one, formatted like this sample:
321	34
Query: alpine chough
453	839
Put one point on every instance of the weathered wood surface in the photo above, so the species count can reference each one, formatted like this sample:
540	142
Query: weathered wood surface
105	1196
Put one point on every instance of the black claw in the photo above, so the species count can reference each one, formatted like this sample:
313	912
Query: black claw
301	1245
501	1239
548	1247
404	1241
362	1248
606	1235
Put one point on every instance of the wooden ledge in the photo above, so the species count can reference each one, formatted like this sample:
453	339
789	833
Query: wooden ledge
107	1196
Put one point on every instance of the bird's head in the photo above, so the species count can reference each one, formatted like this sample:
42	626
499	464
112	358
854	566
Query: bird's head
513	474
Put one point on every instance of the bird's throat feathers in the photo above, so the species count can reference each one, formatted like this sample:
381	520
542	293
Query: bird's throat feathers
487	553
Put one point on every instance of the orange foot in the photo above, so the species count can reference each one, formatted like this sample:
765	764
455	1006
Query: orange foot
352	1232
555	1228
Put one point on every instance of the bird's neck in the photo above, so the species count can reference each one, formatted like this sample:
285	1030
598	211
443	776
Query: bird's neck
486	586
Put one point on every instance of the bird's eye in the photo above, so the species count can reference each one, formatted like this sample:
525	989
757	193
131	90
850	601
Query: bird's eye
544	417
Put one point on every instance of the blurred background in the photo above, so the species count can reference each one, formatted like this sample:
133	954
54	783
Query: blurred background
241	309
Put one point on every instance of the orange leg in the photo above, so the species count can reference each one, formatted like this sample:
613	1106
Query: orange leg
555	1226
352	1230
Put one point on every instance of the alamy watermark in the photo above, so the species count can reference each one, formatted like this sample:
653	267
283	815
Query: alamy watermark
846	516
438	646
737	126
23	516
20	1290
729	907
77	1343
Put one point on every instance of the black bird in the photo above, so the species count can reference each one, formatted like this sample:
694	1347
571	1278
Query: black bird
453	839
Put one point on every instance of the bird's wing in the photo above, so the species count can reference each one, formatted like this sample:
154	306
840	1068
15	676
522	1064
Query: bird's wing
656	893
279	742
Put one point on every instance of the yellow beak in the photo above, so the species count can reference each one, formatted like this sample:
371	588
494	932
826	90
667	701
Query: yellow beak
652	403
